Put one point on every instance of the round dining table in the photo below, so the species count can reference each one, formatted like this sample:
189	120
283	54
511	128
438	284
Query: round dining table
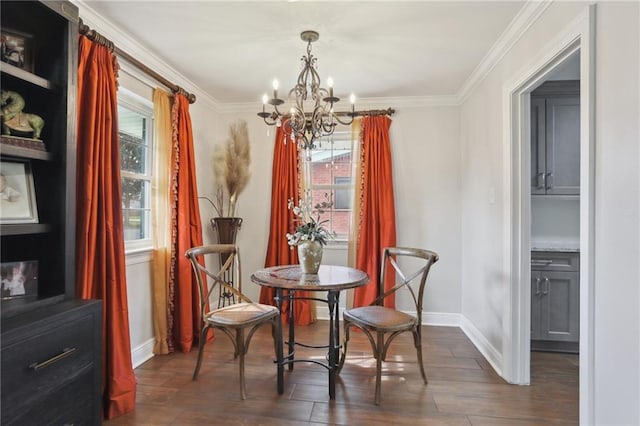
288	281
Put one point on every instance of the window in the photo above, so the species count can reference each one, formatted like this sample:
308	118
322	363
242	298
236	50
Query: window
330	169
135	127
343	189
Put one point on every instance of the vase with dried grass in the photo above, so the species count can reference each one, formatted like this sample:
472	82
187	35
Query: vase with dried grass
231	162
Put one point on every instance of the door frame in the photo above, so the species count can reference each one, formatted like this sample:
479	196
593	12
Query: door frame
578	36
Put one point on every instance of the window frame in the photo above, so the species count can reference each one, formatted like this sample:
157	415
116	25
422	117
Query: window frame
144	107
343	135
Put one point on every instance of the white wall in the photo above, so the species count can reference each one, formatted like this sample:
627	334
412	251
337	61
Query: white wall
426	172
484	283
617	271
139	295
617	326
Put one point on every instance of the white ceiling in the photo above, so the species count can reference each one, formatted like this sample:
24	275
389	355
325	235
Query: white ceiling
387	49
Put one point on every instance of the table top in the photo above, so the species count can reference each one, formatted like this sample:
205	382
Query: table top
328	278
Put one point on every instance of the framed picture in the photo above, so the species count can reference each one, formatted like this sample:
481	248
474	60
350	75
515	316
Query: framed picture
17	49
19	279
17	192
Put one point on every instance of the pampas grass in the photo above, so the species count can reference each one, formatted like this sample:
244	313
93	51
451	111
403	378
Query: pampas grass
231	163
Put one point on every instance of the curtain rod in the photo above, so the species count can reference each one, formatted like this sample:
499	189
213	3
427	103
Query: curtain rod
370	112
100	39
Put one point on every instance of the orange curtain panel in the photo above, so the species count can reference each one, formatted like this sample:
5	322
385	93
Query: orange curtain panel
285	184
100	269
184	311
378	217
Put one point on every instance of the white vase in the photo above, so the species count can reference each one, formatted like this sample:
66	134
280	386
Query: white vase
309	256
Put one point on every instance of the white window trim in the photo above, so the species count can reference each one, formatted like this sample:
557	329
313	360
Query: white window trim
137	103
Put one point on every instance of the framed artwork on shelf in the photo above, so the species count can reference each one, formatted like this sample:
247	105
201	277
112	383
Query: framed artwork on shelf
19	279
17	192
17	49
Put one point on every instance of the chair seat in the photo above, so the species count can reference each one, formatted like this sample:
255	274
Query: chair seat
380	318
241	314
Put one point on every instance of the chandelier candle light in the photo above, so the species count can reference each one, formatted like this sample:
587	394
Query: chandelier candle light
307	126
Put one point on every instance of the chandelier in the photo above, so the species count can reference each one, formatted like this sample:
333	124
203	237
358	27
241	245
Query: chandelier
308	126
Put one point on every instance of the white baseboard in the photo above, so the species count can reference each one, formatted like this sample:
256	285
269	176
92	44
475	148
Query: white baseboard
443	319
428	318
491	354
142	353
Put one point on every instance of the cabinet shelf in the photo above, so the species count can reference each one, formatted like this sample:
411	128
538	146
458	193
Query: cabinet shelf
25	229
22	151
26	76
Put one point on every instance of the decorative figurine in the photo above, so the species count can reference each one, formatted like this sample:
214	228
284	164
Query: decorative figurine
14	121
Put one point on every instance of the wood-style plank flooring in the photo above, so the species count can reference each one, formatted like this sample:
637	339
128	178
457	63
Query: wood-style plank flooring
463	389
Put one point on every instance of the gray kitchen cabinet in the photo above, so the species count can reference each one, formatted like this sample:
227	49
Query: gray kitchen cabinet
555	138
555	301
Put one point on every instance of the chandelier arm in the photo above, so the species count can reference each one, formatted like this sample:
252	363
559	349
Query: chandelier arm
344	122
272	122
277	113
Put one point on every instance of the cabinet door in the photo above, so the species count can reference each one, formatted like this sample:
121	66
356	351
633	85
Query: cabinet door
563	145
538	136
559	309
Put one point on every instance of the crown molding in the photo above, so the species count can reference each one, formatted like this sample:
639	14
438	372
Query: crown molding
509	37
128	44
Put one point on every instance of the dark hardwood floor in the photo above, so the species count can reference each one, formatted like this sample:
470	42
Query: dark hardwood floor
463	389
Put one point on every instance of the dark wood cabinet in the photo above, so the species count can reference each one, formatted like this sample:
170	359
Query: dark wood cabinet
51	365
555	301
51	341
555	138
49	89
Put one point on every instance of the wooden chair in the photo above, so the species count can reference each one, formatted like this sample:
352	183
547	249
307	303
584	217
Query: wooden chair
387	323
236	318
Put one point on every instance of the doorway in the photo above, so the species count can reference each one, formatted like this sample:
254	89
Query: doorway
576	39
555	209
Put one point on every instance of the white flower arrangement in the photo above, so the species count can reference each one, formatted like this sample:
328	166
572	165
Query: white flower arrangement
309	226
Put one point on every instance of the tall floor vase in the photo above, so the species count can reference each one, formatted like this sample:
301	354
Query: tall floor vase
227	230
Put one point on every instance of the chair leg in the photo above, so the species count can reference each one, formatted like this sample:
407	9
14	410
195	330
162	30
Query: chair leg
417	339
378	355
240	354
344	347
201	342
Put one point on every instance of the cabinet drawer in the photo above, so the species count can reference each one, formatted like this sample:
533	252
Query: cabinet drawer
71	406
35	368
555	261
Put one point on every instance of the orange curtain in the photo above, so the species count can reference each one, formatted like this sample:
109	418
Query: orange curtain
284	185
100	265
378	218
184	311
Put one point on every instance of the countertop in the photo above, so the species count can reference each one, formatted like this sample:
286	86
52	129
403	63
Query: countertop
560	246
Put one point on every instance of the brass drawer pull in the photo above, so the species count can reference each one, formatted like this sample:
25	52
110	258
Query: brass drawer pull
40	365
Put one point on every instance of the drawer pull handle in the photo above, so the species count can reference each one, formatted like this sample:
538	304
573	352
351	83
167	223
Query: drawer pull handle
40	365
542	262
